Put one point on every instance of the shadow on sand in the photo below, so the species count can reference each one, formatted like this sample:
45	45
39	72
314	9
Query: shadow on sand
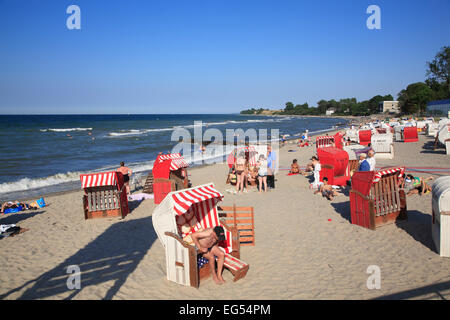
428	147
111	257
343	208
14	218
418	226
436	290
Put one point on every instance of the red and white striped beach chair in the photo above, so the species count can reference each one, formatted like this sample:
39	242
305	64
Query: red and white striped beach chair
105	195
376	198
182	213
163	183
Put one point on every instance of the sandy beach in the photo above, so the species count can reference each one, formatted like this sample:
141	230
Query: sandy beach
306	247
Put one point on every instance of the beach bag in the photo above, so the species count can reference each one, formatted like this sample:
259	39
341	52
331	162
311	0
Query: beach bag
39	203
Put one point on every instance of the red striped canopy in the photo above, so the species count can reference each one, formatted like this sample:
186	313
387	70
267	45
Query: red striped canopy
185	199
381	173
98	179
324	141
202	202
177	161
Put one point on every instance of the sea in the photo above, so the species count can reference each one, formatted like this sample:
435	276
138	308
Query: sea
44	154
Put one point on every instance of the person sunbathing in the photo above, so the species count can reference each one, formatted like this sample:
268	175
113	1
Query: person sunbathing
302	143
207	242
327	190
294	167
17	204
416	185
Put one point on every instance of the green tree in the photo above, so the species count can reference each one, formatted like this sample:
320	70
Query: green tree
415	97
439	69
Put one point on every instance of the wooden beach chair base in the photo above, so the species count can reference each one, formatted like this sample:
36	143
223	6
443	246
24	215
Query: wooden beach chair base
104	202
184	268
237	267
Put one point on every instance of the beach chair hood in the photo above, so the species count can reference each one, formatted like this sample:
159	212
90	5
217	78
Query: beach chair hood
101	179
165	163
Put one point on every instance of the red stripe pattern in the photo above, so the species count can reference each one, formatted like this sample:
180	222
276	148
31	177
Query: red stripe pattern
380	174
177	161
234	263
324	141
98	179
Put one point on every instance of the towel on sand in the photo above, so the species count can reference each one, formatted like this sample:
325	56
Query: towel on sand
140	196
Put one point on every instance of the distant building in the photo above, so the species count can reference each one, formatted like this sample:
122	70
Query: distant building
439	108
389	107
330	111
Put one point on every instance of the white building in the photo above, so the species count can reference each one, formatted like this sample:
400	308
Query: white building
330	111
389	107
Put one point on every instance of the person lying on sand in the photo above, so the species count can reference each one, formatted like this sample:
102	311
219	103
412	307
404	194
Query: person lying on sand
327	190
206	242
416	185
16	204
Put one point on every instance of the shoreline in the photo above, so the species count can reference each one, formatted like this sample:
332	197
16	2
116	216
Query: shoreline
43	191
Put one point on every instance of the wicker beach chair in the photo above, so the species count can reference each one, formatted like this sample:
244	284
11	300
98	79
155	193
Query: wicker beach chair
182	213
169	174
105	195
376	198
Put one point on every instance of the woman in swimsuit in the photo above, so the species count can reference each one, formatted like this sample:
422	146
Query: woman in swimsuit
240	168
126	175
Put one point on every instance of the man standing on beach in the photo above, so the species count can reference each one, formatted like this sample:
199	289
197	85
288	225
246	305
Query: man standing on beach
206	242
271	159
371	159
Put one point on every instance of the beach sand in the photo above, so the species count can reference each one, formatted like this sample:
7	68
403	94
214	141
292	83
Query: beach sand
299	253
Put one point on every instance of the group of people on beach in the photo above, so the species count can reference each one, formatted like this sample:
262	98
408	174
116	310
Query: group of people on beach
261	175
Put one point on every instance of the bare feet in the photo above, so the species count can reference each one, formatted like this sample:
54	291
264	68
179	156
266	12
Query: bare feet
218	281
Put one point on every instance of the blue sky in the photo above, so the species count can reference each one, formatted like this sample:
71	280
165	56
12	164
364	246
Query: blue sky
210	56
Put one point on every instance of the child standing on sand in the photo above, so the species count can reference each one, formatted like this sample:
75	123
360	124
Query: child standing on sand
262	173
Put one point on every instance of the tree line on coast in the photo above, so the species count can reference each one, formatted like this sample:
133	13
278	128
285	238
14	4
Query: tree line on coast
413	99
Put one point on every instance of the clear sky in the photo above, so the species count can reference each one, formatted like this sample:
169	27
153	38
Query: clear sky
210	56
